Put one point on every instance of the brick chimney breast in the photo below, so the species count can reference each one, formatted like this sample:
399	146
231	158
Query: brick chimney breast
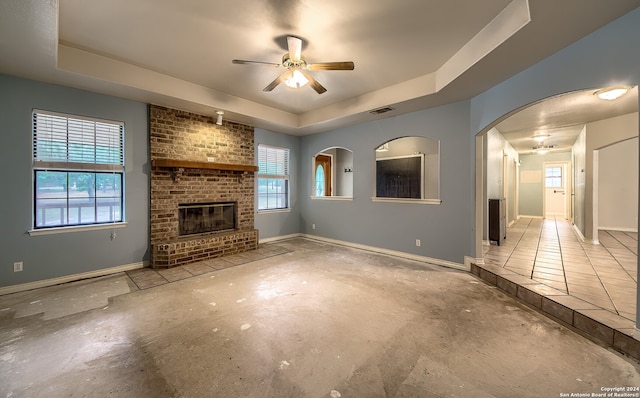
198	146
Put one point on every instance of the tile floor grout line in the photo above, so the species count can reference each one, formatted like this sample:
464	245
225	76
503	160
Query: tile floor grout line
635	239
615	307
564	272
585	282
616	258
533	267
516	244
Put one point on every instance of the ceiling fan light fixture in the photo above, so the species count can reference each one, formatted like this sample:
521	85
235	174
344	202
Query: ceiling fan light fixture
296	80
612	93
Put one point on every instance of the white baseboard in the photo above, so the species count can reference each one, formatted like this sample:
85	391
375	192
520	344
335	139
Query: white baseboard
394	253
277	238
70	278
472	260
618	229
578	232
526	216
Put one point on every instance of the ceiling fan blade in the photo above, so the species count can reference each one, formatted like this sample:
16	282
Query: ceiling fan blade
332	66
283	76
314	83
295	48
244	62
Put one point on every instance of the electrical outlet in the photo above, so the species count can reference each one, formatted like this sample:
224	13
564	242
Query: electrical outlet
313	226
418	242
17	266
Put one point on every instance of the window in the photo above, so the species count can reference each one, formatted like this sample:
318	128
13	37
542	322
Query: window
320	191
273	178
553	177
78	166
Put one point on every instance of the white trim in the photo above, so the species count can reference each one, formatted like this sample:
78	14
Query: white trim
578	232
394	253
79	117
348	198
526	216
618	229
277	238
71	278
471	260
414	201
75	228
267	211
594	195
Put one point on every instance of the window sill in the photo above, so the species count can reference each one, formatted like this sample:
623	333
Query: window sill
267	211
332	198
75	228
414	201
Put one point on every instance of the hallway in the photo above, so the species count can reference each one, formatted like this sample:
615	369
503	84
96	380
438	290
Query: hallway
549	252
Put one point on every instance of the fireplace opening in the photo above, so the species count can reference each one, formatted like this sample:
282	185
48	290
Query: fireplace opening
199	218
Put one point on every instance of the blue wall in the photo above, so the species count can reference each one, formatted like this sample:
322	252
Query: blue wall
281	223
61	254
443	229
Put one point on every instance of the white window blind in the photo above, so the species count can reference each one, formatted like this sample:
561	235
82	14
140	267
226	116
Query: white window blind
273	161
61	141
273	178
78	166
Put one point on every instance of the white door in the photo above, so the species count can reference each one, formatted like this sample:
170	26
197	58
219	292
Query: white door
555	179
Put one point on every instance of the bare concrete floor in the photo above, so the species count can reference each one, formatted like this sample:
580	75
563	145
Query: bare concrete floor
316	321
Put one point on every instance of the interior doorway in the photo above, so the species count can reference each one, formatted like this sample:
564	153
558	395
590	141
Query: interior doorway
557	190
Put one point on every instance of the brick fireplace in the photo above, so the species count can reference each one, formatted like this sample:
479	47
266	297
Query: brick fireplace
196	164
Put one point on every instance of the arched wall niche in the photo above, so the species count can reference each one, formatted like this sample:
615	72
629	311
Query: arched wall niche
408	169
332	173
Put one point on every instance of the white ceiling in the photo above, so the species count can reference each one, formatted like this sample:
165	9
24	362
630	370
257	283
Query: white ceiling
562	118
408	54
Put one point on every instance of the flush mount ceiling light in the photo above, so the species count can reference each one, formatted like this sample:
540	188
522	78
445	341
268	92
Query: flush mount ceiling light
612	93
542	149
540	137
219	119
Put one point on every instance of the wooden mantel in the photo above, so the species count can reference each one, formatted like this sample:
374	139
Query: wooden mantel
187	164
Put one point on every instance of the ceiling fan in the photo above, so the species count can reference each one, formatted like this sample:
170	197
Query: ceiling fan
297	69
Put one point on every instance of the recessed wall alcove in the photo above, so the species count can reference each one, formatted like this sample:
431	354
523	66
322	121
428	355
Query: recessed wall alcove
332	174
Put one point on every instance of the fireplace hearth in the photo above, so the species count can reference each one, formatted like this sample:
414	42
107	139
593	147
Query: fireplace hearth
200	218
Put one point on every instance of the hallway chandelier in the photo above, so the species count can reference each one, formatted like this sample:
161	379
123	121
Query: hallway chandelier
542	149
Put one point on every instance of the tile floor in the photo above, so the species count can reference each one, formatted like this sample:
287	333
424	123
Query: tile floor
145	278
549	252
